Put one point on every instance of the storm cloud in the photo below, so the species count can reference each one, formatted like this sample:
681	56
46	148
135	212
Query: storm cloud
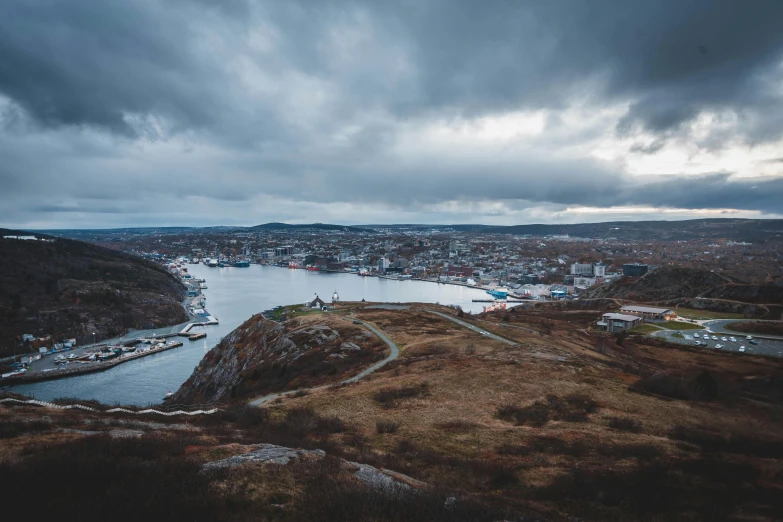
194	112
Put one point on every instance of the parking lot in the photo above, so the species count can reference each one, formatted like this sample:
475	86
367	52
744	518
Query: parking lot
705	337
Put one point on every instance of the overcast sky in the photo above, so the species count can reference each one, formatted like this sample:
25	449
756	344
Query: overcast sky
179	112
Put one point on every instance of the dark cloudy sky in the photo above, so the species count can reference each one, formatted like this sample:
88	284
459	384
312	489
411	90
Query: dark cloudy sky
183	112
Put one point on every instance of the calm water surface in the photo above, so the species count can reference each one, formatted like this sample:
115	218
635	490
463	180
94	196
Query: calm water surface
233	295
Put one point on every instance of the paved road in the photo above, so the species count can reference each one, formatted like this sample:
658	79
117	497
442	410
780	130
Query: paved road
394	352
474	328
719	325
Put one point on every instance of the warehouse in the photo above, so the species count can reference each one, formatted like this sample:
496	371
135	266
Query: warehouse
649	313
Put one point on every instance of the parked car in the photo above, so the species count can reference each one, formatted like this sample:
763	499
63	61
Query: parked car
695	336
732	339
748	338
723	339
714	337
752	341
742	348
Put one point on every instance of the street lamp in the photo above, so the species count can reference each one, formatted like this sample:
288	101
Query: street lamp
93	338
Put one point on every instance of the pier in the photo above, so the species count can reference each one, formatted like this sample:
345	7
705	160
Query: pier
500	300
90	367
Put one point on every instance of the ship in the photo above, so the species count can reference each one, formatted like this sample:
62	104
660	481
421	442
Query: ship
496	306
242	264
294	264
312	268
212	262
498	293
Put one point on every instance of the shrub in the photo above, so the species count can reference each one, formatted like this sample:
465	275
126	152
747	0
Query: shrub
625	424
571	408
386	426
390	396
703	387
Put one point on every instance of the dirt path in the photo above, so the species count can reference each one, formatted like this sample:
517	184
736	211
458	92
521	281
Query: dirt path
474	328
394	352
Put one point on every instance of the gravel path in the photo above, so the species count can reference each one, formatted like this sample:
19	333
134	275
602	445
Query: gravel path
474	328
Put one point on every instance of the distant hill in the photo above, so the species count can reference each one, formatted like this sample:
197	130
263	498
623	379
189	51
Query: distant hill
67	288
751	230
313	226
694	288
740	229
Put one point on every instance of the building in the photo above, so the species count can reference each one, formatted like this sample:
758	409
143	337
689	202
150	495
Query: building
618	322
584	282
383	264
316	303
634	270
649	313
582	269
528	279
588	269
460	271
284	251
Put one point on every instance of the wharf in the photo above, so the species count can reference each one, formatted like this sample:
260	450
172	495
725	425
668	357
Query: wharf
500	300
85	368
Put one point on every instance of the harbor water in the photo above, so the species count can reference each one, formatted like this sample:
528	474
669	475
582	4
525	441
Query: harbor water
233	295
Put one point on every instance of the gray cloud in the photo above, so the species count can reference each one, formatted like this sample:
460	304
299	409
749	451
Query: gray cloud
106	108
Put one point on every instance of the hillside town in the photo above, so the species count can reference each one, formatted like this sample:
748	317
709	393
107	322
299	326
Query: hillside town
555	266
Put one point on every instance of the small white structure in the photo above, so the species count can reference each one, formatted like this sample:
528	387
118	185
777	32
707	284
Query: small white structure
335	297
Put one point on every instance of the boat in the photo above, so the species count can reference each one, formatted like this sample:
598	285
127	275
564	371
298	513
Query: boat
168	395
212	262
312	268
498	293
294	264
242	264
501	305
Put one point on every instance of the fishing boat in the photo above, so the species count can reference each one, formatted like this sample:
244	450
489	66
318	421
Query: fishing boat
312	268
212	262
294	264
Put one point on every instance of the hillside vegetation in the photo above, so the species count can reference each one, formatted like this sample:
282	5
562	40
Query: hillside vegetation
67	288
568	422
694	288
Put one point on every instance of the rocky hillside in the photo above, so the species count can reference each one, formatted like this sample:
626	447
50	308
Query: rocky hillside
262	357
67	288
693	288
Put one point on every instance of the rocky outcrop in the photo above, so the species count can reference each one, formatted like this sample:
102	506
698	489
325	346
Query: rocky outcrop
264	454
262	357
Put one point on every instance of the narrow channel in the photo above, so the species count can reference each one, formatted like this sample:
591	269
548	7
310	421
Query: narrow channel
233	295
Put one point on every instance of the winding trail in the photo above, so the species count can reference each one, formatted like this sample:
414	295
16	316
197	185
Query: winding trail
394	352
474	328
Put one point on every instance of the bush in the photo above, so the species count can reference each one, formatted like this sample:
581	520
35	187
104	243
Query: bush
625	424
571	408
389	397
387	426
703	387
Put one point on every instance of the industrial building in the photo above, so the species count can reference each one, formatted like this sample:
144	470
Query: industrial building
618	322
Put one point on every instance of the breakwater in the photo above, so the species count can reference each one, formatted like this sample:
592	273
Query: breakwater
83	368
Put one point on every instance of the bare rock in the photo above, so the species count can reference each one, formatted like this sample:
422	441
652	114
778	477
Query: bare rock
263	454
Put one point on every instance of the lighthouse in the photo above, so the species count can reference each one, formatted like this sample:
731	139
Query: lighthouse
335	297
